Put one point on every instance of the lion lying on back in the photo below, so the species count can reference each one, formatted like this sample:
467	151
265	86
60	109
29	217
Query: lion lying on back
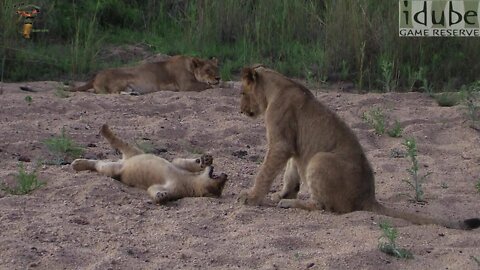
164	181
178	73
317	149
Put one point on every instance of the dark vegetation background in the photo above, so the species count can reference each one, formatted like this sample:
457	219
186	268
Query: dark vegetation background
318	40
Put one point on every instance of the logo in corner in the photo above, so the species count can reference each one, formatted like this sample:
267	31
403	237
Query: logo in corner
439	18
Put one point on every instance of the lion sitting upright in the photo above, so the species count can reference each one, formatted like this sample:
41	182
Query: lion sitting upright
318	150
178	73
164	181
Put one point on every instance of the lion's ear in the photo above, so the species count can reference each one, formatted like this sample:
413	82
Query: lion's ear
214	60
196	62
249	75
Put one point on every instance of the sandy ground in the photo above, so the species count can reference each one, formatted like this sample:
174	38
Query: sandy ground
87	221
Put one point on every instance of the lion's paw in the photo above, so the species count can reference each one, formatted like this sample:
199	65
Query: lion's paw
205	160
82	165
277	196
247	198
285	203
161	197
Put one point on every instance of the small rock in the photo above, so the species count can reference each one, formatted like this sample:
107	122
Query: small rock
79	221
158	151
310	265
23	159
240	153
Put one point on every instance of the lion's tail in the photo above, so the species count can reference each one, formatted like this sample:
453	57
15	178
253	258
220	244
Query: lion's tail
127	150
83	88
466	224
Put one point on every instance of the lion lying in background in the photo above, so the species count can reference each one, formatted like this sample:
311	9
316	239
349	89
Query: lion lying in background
178	73
164	181
317	148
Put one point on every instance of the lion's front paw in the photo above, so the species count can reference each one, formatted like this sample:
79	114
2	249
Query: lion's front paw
277	196
247	198
285	203
206	160
161	197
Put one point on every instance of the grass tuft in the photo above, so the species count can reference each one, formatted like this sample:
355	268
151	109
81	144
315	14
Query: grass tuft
63	148
388	243
26	182
447	99
376	119
416	181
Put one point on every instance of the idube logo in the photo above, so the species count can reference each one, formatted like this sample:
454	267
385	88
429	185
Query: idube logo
439	18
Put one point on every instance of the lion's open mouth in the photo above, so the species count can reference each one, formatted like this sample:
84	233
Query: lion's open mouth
221	177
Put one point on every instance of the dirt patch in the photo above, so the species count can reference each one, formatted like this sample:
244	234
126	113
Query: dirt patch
86	221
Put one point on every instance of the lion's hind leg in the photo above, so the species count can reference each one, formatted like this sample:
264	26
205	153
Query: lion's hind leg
291	183
111	169
192	164
127	150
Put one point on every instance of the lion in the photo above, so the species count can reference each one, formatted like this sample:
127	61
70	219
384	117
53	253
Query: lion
164	181
316	148
178	73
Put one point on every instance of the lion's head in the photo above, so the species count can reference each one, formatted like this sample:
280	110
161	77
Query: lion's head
206	71
215	184
253	101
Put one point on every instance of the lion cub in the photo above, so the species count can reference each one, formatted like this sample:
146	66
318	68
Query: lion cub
164	181
317	149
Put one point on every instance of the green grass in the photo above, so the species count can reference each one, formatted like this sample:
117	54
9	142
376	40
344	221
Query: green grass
447	99
388	242
26	182
477	186
145	146
308	39
396	130
28	99
376	119
471	103
476	259
63	148
60	91
416	181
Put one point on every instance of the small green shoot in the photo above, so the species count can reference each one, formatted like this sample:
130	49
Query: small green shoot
444	185
63	148
476	259
26	182
387	74
416	180
344	70
477	186
376	119
145	146
28	99
60	92
395	131
388	243
472	104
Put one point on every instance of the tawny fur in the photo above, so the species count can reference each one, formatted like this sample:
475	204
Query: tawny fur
317	148
178	73
164	181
